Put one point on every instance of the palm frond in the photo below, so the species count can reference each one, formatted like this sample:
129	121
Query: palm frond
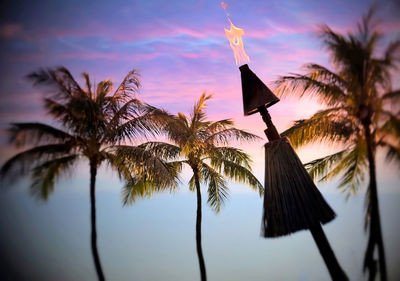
117	165
219	126
319	168
299	85
217	188
392	97
392	54
102	90
325	125
192	183
237	173
36	133
63	113
218	154
352	169
390	127
198	114
45	175
145	164
200	105
22	162
231	134
136	128
124	112
88	84
59	80
129	86
146	184
320	73
392	151
162	150
137	188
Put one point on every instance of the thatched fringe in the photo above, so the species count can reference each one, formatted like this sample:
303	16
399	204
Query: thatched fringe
291	200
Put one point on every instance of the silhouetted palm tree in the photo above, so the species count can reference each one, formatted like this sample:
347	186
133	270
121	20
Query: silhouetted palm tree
93	123
361	116
203	146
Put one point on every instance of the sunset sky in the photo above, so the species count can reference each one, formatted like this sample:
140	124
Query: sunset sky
181	51
179	47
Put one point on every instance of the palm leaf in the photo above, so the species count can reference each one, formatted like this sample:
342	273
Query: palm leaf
392	151
22	162
219	126
227	135
145	184
352	167
198	114
145	164
59	79
137	188
162	149
237	173
129	86
45	175
325	125
306	85
217	189
235	155
136	128
36	133
390	127
88	84
320	167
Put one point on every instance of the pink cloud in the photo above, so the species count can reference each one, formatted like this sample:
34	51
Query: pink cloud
77	55
90	56
391	26
211	54
10	30
295	54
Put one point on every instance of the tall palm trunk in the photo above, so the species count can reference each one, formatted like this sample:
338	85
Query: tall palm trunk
93	172
198	227
375	231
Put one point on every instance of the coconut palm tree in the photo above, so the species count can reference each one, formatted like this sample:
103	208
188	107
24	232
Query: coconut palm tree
93	123
203	146
360	116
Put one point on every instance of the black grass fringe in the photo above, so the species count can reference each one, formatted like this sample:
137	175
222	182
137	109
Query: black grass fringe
292	202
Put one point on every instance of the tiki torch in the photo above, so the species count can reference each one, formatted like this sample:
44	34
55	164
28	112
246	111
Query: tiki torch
292	202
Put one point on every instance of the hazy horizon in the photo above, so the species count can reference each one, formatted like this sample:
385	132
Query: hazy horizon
155	239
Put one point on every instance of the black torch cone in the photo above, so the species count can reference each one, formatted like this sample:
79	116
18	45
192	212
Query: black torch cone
292	202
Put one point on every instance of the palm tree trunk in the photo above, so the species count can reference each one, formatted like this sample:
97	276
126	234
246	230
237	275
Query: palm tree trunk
198	227
375	231
93	172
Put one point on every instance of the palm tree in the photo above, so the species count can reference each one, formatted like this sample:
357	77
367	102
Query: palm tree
93	123
360	116
196	143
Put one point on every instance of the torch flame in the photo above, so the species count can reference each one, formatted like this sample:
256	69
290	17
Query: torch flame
234	35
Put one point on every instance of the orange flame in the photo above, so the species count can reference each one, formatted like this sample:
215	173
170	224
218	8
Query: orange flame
234	35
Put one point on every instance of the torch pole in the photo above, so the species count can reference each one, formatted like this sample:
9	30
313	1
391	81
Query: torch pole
335	271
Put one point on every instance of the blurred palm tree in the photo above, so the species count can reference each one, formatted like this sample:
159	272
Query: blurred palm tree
93	124
203	146
361	115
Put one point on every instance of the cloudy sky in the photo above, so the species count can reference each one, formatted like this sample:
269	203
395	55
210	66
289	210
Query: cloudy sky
179	47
